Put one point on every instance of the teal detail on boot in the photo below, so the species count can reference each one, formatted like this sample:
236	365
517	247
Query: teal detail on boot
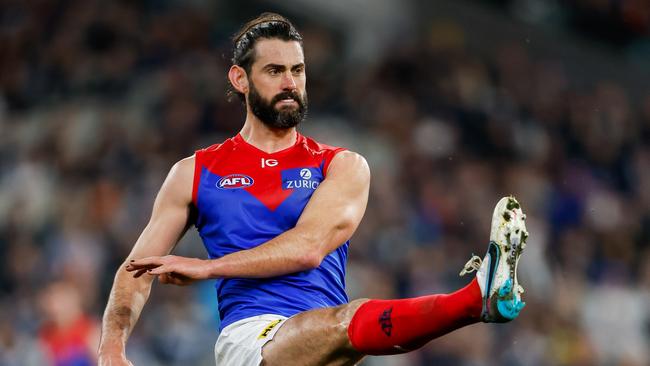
508	306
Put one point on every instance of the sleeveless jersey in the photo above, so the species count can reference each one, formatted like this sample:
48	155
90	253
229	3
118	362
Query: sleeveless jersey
245	197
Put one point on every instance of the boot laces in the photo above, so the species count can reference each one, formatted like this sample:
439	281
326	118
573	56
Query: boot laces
473	264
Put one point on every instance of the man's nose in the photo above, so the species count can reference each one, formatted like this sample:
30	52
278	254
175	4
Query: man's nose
288	82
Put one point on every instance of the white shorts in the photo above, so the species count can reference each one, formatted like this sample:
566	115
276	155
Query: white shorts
240	343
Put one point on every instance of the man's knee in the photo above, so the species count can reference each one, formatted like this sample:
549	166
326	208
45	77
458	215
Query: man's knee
345	312
343	316
311	337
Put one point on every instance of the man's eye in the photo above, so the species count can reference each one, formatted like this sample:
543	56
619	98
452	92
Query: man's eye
274	71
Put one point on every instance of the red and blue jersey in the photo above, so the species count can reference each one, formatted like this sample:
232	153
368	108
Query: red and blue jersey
245	197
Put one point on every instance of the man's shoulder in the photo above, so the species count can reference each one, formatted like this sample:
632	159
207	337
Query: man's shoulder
215	153
184	168
320	151
342	155
350	162
214	148
317	146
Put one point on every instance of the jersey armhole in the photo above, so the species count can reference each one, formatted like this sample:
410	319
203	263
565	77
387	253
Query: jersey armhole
328	159
197	176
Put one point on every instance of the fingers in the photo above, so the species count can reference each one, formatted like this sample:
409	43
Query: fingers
169	265
174	279
148	262
145	265
130	267
160	270
140	272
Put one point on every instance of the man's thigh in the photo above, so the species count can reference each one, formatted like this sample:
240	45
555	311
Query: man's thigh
315	337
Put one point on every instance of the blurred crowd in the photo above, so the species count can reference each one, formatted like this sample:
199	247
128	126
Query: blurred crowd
620	22
99	99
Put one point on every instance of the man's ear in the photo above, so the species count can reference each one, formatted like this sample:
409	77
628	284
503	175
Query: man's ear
238	78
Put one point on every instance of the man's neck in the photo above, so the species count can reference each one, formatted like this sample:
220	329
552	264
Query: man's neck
267	139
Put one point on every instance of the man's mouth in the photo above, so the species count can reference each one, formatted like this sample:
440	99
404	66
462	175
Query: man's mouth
288	101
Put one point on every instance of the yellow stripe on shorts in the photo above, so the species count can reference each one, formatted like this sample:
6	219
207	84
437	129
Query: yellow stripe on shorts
268	329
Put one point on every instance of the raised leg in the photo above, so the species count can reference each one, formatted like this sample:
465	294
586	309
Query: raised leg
316	337
343	335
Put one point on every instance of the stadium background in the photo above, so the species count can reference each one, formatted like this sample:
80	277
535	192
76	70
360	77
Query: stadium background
454	104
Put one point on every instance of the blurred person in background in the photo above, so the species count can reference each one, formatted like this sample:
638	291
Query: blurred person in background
99	98
69	336
275	210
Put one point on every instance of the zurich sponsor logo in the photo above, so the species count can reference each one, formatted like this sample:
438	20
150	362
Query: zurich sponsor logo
235	181
305	174
300	179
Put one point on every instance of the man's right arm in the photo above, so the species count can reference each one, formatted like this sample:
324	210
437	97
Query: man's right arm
169	221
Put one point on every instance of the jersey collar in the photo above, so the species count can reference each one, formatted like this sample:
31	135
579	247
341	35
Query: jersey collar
239	141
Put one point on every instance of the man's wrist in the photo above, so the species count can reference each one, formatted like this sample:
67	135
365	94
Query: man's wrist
211	269
111	348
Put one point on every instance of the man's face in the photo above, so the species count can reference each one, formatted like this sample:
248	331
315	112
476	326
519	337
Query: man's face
277	80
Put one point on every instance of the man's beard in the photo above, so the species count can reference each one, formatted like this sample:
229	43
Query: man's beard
284	118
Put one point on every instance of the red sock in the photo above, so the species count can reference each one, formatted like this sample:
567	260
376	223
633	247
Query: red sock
382	327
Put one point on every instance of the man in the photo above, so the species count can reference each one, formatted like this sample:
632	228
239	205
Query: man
275	211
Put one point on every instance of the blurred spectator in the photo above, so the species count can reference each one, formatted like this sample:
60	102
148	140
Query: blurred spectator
70	337
98	99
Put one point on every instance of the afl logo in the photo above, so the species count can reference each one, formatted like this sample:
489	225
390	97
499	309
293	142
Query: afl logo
235	181
305	174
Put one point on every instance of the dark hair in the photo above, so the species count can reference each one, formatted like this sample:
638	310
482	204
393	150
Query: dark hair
267	26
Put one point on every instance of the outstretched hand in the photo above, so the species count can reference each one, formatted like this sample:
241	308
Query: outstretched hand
171	269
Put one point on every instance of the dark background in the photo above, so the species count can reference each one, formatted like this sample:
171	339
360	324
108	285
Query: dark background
453	103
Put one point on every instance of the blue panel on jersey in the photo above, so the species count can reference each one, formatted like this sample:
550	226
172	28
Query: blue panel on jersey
233	219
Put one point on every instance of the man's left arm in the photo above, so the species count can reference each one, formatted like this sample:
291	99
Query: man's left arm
330	218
